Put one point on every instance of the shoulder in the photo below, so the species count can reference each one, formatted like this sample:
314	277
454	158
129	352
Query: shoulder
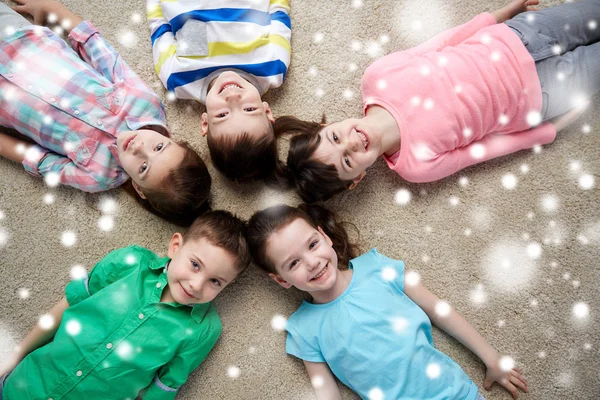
131	255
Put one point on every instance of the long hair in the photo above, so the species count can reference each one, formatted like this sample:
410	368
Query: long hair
182	195
266	222
313	179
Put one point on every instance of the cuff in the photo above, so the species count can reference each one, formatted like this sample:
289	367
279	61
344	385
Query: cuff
77	290
82	32
33	157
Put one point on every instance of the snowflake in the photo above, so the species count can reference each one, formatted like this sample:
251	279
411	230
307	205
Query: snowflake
399	325
478	296
454	201
506	363
78	272
46	321
442	308
534	250
317	381
550	203
534	118
136	17
125	350
106	223
73	327
433	370
233	372
586	181
463	181
509	181
3	237
128	39
477	151
402	197
581	310
52	179
313	71
24	293
348	94
68	238
388	274
412	278
375	394
278	322
592	24
586	129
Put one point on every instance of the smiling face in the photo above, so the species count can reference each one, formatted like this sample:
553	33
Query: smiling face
148	157
349	147
233	106
303	257
198	271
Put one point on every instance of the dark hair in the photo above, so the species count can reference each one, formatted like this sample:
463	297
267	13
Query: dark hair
225	230
264	223
183	193
314	180
242	157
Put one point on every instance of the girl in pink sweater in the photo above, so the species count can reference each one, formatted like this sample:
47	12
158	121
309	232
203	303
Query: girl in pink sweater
475	92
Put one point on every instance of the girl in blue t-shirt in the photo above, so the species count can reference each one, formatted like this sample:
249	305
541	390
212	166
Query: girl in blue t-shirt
369	322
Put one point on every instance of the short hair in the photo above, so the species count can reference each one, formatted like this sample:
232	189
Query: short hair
242	157
183	194
313	179
224	230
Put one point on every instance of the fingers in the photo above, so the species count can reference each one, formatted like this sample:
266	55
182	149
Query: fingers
487	383
518	383
510	387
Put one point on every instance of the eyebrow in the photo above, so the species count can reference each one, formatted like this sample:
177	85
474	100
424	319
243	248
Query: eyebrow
199	259
285	262
333	144
150	165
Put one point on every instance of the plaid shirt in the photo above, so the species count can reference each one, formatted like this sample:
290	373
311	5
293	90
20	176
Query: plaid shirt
73	103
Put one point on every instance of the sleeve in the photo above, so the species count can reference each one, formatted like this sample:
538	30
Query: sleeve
299	346
391	270
490	146
164	43
454	36
171	376
108	270
40	162
101	55
281	29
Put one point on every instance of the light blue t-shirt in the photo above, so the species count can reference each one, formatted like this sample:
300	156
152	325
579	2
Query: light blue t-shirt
374	338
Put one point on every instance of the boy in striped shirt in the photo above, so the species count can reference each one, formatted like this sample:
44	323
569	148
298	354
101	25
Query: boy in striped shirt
226	55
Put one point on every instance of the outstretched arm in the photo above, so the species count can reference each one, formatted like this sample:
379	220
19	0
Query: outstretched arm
37	337
50	11
514	8
12	148
323	381
457	326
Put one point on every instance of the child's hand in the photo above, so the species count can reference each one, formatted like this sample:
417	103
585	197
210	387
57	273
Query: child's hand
566	119
511	380
40	10
515	7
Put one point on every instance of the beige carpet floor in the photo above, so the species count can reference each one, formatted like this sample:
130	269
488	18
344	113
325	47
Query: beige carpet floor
469	238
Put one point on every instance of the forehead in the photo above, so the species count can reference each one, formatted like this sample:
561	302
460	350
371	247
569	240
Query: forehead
166	162
288	239
255	124
216	260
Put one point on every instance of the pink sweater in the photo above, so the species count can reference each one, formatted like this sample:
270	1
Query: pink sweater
461	98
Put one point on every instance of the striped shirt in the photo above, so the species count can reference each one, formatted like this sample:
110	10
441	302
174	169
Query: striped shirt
72	102
194	41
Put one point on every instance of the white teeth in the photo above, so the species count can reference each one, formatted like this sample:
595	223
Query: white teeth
320	274
363	138
230	86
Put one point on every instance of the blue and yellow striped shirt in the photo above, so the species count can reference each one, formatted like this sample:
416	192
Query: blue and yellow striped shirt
193	41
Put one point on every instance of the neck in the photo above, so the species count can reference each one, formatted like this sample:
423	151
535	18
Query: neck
341	284
386	129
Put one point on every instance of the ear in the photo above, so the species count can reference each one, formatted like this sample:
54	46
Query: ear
268	112
357	179
280	281
138	189
327	238
204	130
175	243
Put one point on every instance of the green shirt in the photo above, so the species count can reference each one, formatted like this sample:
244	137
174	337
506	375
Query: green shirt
117	338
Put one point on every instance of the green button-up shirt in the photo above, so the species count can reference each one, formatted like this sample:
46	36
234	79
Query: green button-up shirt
117	339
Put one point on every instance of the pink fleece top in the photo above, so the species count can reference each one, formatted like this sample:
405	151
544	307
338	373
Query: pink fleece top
460	98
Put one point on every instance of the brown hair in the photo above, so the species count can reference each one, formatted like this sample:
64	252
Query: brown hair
224	230
242	157
264	223
314	180
183	193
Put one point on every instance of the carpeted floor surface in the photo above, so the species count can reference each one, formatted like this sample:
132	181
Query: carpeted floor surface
516	263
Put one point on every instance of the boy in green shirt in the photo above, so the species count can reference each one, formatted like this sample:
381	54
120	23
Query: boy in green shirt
138	325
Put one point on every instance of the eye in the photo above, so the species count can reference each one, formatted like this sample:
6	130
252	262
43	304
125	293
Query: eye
249	109
347	161
159	147
215	282
293	264
335	138
195	265
222	115
143	167
313	244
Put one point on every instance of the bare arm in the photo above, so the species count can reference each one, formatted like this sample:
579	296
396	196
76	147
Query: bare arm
12	148
457	326
41	10
323	381
514	8
37	337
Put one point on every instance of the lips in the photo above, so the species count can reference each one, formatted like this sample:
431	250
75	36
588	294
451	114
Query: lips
320	274
363	138
186	292
127	141
228	86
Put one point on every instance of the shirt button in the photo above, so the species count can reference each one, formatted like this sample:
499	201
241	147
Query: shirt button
50	398
99	123
76	112
79	373
29	87
10	75
158	285
53	100
141	316
109	346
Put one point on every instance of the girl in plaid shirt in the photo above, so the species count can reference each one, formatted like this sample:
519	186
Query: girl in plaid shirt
95	123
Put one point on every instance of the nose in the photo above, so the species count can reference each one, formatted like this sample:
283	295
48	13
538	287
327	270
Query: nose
312	262
352	141
196	285
138	147
235	96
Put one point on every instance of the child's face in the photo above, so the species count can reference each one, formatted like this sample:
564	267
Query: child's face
198	270
303	257
348	145
233	106
148	157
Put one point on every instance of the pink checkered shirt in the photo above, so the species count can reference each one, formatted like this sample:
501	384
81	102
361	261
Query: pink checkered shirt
72	102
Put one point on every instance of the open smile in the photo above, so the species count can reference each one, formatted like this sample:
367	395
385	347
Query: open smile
186	292
228	86
363	138
320	274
